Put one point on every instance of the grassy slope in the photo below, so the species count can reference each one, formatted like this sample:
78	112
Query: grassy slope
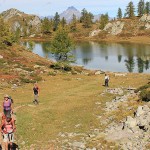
65	102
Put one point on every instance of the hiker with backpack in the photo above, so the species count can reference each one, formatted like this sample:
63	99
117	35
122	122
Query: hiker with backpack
8	129
7	105
36	92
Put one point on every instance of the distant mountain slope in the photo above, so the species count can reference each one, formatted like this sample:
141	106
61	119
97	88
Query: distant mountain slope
67	14
28	24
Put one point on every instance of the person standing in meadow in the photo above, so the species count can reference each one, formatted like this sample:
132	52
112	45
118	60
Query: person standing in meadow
7	105
106	80
36	92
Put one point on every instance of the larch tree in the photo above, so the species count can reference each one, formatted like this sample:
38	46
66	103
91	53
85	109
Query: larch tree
46	26
56	21
103	20
119	15
61	45
141	8
73	24
147	8
6	36
130	10
63	22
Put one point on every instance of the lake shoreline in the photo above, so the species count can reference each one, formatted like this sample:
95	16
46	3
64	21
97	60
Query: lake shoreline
110	39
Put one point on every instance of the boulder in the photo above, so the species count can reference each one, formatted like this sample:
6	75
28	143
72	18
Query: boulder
147	25
130	122
94	33
139	111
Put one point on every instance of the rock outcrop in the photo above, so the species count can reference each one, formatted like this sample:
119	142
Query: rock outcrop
27	24
145	18
114	28
11	13
134	132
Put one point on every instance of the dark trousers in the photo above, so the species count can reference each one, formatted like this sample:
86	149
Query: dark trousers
106	82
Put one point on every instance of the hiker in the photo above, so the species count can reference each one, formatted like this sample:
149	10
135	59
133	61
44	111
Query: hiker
36	92
7	105
8	129
106	80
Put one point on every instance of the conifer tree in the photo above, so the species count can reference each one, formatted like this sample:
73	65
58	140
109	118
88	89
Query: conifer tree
103	20
56	21
86	18
17	34
141	8
46	26
63	22
130	10
73	24
6	37
147	8
61	44
119	15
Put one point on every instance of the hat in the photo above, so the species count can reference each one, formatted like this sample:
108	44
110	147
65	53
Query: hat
6	95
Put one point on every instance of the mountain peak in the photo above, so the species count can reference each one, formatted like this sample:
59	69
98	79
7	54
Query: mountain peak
67	14
71	8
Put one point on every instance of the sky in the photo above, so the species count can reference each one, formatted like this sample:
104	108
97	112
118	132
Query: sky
50	7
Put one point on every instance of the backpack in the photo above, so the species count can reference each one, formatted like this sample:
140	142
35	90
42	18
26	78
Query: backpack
10	98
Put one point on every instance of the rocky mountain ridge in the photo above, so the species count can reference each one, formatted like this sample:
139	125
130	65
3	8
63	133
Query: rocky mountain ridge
25	23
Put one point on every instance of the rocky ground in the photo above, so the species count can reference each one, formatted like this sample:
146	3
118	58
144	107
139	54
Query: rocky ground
131	133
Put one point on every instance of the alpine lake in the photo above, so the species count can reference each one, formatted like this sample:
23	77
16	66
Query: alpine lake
114	57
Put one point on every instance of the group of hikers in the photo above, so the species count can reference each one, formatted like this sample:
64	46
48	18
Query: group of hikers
8	126
7	123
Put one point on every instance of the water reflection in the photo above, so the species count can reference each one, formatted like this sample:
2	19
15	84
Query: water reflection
130	64
119	57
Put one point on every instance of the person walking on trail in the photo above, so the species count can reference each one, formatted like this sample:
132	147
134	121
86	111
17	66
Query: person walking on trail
7	129
106	80
36	92
7	105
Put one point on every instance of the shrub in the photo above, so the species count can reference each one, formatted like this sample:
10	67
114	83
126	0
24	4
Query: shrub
61	66
78	69
67	67
56	66
52	73
142	88
26	80
145	95
142	28
28	69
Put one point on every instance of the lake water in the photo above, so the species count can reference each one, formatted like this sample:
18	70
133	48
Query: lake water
117	57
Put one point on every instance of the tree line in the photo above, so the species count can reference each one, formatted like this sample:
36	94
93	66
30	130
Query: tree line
142	8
